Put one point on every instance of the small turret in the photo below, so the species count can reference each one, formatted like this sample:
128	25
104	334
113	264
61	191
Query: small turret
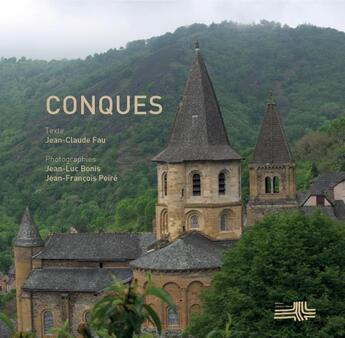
28	235
27	243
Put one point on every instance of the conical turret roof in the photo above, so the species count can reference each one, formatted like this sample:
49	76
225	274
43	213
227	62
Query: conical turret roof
272	146
28	234
198	132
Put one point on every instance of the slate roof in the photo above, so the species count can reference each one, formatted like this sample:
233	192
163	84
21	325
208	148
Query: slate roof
324	184
191	251
74	279
96	246
28	234
198	132
272	146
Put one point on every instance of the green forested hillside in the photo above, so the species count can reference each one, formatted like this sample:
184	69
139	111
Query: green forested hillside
305	68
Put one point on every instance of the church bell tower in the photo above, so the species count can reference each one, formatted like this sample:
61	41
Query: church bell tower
272	183
199	173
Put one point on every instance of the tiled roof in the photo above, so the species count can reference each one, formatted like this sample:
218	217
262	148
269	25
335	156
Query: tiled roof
74	279
28	234
272	146
326	181
191	251
198	132
324	184
96	246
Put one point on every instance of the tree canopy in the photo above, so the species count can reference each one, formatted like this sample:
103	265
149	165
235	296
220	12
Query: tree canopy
284	258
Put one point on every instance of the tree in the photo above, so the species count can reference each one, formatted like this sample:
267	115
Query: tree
122	312
284	258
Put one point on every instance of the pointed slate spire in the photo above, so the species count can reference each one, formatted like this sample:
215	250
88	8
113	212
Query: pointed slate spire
272	146
28	234
198	132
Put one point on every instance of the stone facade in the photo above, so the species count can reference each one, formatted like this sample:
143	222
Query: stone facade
63	306
183	287
23	265
267	195
177	204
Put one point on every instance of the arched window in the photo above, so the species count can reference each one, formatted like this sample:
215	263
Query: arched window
173	319
268	186
276	187
164	222
195	309
165	184
87	316
221	184
194	222
48	321
224	222
196	185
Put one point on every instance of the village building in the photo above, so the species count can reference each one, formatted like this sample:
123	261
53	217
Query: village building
326	193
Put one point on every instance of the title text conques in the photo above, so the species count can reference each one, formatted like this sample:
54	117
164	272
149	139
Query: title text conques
106	105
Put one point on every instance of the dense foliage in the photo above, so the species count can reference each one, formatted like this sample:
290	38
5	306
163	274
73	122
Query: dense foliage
304	66
284	258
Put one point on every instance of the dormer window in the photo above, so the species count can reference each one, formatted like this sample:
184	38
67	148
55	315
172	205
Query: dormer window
196	185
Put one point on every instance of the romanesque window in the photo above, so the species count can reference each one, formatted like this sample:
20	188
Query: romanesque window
224	222
164	222
48	321
221	184
194	310
196	185
268	185
87	317
172	316
276	187
165	184
194	222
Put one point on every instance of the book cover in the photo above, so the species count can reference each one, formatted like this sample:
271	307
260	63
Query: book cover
172	169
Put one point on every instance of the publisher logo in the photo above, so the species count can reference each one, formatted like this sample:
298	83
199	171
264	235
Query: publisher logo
298	311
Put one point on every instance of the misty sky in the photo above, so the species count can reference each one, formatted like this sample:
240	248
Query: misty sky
48	29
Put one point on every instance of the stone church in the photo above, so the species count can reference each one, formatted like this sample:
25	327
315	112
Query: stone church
199	214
